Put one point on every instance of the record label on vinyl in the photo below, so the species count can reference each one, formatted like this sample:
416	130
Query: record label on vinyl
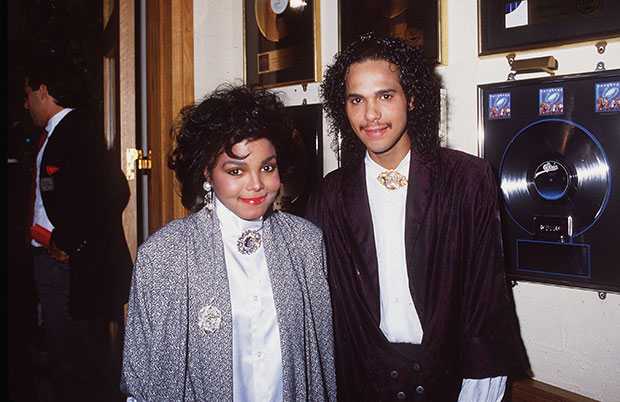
551	180
279	6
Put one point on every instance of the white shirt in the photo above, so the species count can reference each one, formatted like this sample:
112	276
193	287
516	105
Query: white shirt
257	358
40	216
399	318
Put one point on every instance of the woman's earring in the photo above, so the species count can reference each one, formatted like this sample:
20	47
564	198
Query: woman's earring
208	195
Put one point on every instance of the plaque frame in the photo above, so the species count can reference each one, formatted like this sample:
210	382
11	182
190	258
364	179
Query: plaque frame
494	38
523	245
305	36
355	21
308	122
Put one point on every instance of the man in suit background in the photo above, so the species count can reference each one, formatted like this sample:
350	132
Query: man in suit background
81	261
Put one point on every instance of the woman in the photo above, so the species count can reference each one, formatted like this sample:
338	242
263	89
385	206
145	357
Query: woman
231	302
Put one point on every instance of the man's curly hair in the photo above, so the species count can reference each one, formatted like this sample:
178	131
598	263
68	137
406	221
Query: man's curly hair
416	77
229	115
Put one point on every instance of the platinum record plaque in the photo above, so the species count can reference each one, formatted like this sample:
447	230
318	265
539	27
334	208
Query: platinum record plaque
554	144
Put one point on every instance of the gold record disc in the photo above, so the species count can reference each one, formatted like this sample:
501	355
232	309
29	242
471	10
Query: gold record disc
276	19
385	8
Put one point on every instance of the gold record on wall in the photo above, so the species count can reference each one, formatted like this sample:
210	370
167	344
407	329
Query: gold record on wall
281	42
276	19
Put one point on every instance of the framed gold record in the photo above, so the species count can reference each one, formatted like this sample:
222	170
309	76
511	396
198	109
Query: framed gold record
282	42
419	22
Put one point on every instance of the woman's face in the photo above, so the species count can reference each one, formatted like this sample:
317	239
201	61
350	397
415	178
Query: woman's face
249	185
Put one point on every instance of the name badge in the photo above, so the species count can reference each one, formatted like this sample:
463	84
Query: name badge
47	184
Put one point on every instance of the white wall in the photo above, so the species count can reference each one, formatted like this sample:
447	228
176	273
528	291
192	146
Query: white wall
572	337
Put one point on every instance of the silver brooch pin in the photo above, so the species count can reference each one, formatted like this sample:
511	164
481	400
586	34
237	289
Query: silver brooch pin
248	242
209	318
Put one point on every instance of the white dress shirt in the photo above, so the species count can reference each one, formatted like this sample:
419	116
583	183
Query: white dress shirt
40	216
399	318
257	358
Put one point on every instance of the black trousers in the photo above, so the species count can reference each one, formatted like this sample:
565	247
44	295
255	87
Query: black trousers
78	349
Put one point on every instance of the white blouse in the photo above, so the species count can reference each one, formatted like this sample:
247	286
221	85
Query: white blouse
257	358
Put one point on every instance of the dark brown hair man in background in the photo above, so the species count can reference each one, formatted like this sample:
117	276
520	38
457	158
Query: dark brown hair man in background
81	260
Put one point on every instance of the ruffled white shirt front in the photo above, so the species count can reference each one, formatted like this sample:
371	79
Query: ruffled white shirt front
257	358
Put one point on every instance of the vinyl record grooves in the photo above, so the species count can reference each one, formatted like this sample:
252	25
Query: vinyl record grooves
385	8
276	19
555	167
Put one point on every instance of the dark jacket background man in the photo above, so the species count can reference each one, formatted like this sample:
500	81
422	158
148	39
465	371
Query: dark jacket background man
81	260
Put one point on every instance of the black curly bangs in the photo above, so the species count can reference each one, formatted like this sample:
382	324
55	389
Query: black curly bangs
229	115
416	77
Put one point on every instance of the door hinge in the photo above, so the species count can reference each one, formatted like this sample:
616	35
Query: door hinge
136	161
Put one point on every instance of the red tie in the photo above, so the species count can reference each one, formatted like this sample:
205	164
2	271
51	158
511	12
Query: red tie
35	173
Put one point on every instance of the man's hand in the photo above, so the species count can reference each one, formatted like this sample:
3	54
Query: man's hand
57	253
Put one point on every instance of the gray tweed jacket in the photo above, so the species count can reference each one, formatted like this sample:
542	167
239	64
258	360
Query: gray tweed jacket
180	269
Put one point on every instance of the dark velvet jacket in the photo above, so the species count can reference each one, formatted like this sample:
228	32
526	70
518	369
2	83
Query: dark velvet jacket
84	193
455	266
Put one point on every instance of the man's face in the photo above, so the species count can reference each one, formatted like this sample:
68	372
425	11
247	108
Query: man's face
377	108
34	104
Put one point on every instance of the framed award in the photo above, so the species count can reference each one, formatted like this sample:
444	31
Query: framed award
416	21
508	25
308	156
281	42
553	144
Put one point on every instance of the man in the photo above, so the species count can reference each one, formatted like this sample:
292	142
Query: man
421	307
81	260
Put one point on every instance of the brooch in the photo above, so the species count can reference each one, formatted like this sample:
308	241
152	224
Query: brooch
392	180
248	242
209	319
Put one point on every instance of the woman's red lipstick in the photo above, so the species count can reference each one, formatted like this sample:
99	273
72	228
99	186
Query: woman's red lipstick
254	201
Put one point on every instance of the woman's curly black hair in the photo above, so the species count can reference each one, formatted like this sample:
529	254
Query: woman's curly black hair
416	77
229	115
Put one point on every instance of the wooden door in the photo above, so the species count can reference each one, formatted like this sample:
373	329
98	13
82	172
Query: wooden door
119	107
170	86
169	82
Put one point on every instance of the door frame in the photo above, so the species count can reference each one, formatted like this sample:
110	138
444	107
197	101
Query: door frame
169	59
170	86
119	97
